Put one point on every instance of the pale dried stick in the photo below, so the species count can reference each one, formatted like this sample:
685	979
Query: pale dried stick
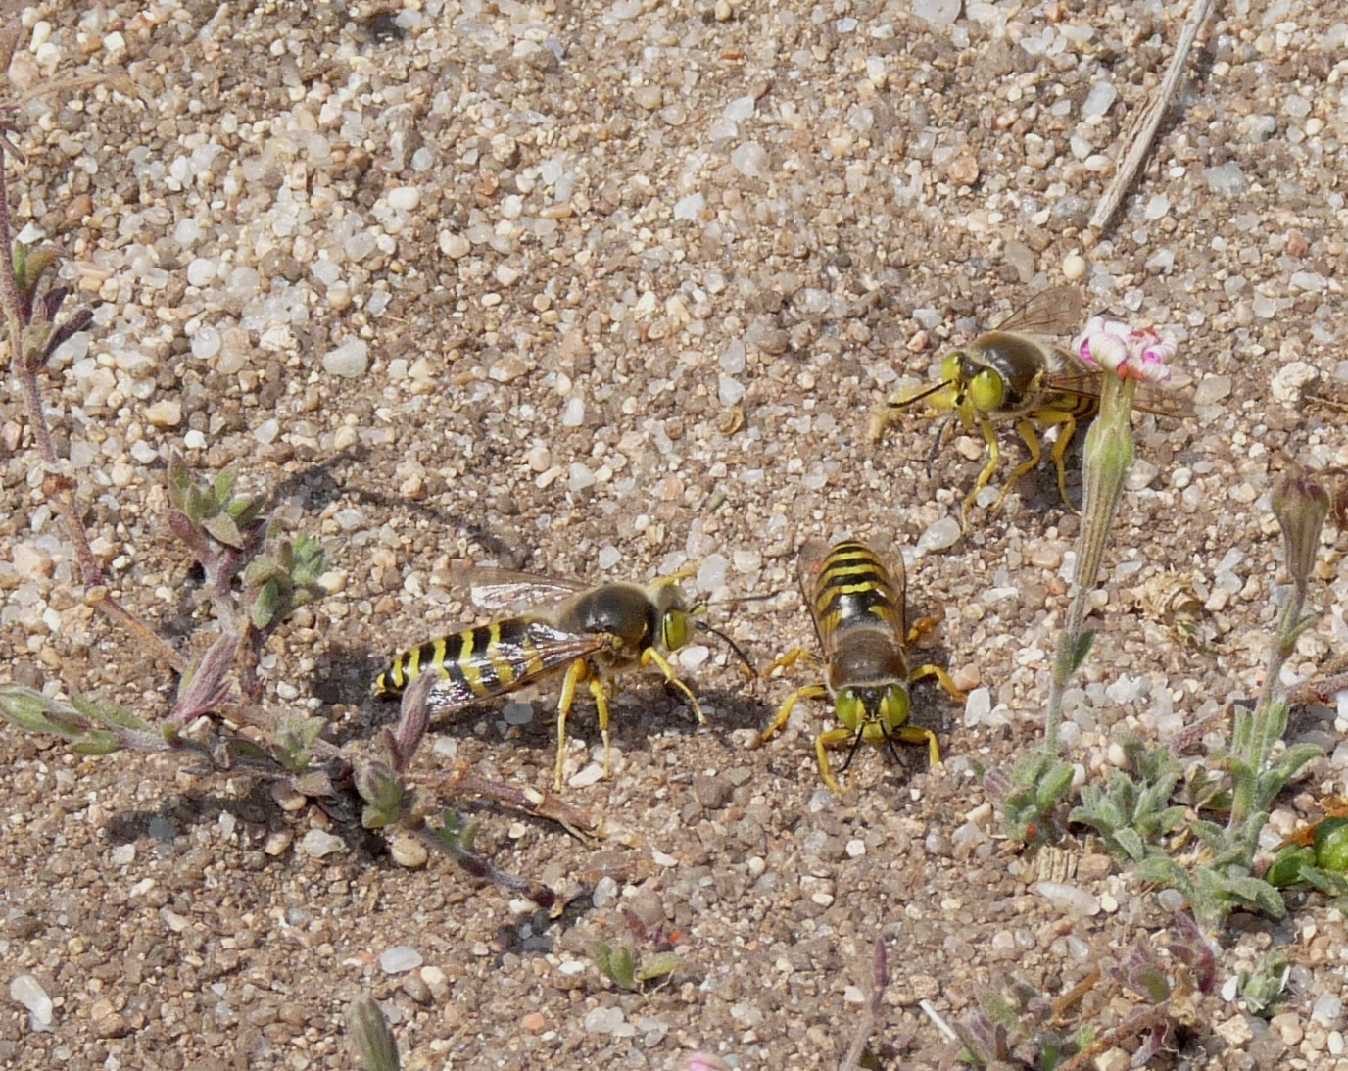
1150	119
874	1003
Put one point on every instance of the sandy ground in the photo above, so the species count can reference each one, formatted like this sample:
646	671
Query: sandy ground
597	290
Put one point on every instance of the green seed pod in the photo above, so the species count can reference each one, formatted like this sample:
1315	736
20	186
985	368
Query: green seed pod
1286	869
1331	845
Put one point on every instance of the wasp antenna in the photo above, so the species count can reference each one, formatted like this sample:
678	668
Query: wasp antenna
939	385
856	743
762	596
703	626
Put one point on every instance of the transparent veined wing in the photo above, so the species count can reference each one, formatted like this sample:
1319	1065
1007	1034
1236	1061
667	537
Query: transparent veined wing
496	590
1055	311
480	663
1148	397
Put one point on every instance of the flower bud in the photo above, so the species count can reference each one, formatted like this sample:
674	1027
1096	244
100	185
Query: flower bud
1301	503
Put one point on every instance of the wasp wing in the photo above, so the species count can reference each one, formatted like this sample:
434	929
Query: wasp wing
1148	397
504	658
496	590
1055	311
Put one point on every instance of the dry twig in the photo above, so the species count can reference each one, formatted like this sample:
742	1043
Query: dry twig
1149	120
875	999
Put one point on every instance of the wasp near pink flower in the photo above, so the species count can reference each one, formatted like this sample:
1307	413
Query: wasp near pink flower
1015	374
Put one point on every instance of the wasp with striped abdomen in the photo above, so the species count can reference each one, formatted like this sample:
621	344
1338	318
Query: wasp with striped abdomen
587	633
856	603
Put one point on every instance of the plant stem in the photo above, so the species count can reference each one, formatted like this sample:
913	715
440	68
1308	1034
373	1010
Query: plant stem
1108	455
57	488
1255	745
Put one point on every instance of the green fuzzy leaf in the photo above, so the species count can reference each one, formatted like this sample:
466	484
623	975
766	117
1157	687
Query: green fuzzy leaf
97	742
1211	834
1054	785
111	715
617	964
1131	844
260	570
1324	881
658	966
371	1037
1288	866
1082	649
1162	870
265	605
27	709
224	529
224	485
1152	984
1258	894
244	511
294	739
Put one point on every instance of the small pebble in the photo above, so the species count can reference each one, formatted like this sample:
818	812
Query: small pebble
1067	898
165	414
29	992
408	851
348	360
399	960
1073	267
590	775
939	536
318	843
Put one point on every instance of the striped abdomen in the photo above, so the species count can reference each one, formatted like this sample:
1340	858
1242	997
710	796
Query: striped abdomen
486	661
1080	406
851	589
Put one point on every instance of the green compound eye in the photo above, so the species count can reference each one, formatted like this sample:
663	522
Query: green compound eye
987	391
894	706
676	629
849	708
950	367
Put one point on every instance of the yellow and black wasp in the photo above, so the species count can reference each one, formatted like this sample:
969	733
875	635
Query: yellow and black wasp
588	633
1012	373
857	605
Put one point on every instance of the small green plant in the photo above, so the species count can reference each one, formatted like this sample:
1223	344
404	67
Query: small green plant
1262	988
646	955
622	966
1133	813
1019	1026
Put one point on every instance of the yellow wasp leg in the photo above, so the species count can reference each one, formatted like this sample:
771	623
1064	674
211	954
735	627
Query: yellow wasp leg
649	655
1026	429
576	672
599	690
825	740
683	572
916	734
942	678
921	627
810	691
1069	428
994	457
789	659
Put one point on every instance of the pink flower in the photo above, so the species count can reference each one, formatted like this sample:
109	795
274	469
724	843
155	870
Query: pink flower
1129	352
705	1061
